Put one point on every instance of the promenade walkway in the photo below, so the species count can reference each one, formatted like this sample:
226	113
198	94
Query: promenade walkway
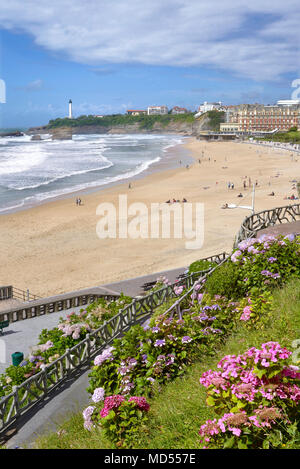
72	396
283	229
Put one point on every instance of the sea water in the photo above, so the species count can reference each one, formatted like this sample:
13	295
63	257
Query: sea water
32	172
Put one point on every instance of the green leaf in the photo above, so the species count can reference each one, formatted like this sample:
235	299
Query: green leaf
210	401
266	444
242	445
229	443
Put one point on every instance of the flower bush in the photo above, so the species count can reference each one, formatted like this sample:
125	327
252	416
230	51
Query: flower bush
266	262
120	418
54	342
255	309
266	428
256	390
147	357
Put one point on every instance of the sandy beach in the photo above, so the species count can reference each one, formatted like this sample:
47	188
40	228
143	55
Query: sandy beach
53	248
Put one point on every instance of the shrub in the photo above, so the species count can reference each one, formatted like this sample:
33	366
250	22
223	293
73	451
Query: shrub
201	265
255	390
224	281
121	419
267	262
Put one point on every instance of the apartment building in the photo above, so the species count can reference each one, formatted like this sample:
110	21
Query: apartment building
258	117
179	110
157	110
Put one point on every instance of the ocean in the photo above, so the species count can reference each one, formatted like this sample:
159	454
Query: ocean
32	172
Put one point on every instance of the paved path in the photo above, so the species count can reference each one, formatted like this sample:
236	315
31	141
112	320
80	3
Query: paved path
22	335
281	229
72	397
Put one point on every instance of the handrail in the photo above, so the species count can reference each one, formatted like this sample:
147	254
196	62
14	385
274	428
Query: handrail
261	220
26	395
35	388
42	306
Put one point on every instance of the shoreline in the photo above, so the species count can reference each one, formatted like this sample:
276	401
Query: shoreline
164	163
53	248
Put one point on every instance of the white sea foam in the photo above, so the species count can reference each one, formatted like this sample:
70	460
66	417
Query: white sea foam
20	159
34	171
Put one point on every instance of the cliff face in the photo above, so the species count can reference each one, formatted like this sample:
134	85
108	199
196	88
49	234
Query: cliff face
62	133
182	128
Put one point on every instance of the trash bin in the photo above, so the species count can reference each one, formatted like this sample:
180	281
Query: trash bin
17	358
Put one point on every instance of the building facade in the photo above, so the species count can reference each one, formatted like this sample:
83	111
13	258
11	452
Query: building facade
136	112
257	117
230	127
206	107
179	110
152	110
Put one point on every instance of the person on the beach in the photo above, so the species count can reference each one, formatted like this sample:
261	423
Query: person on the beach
129	185
232	186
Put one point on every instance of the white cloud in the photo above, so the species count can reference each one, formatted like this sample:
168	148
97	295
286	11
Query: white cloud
217	33
34	85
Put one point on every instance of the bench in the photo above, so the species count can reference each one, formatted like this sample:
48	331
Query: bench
2	325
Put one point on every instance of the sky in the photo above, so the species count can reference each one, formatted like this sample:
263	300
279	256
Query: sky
112	55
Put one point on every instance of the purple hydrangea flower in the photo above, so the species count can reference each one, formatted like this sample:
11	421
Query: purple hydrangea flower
186	339
98	395
159	343
272	259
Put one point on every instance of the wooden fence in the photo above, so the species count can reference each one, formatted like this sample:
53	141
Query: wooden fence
32	391
35	389
266	218
10	292
53	304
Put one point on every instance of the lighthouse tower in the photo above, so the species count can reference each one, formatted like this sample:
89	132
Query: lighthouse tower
70	109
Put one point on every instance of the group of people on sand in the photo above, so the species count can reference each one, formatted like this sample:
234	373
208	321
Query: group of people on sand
78	201
173	201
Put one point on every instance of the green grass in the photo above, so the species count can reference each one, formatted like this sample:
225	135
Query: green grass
179	408
292	136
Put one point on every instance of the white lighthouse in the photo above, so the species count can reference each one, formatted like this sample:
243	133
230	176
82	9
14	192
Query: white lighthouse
70	109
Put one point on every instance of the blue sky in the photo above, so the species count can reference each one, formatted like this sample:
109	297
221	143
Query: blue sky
108	56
